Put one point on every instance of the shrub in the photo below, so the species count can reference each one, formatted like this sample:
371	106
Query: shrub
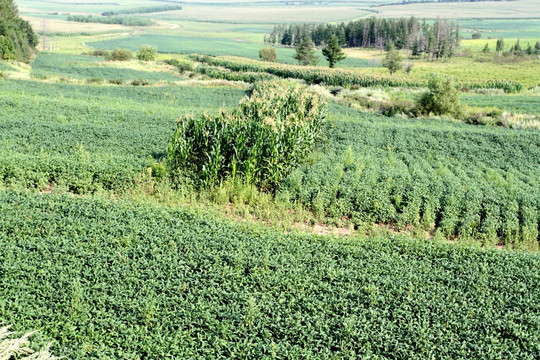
119	55
101	53
268	54
260	141
443	97
94	80
116	81
140	82
147	53
184	66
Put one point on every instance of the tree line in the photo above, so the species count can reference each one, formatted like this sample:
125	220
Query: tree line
143	10
117	20
17	39
438	39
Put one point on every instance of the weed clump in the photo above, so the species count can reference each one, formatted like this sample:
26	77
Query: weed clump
260	141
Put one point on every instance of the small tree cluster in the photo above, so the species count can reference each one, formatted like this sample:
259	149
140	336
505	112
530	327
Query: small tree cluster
119	55
268	54
147	53
333	53
393	60
443	97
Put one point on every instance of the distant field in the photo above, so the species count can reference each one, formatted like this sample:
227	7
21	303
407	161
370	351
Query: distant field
519	9
87	67
210	46
264	14
519	29
518	104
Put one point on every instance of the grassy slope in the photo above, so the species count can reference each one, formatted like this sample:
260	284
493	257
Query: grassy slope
115	280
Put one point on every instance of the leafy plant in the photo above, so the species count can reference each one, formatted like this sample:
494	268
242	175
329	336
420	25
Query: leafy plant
260	141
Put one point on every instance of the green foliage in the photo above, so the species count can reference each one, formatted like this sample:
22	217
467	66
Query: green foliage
333	53
86	67
118	20
443	97
451	178
87	138
143	10
305	54
119	55
147	53
268	53
260	141
216	72
393	60
17	39
117	280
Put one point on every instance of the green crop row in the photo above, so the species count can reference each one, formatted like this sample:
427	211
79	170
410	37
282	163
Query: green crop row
457	179
216	72
113	280
344	77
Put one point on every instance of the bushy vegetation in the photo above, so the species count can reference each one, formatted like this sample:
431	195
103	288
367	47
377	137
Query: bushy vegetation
259	142
147	53
111	279
268	54
443	97
117	20
17	39
143	10
430	175
119	55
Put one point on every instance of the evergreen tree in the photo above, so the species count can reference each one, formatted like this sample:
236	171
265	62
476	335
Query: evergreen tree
17	39
416	48
305	53
393	60
500	46
332	52
486	49
537	48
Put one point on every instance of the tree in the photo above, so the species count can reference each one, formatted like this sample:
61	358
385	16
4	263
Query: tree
477	35
500	46
486	49
268	54
147	53
537	48
305	53
17	39
443	97
393	60
119	55
332	52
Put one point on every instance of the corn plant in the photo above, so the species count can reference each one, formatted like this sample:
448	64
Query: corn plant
260	141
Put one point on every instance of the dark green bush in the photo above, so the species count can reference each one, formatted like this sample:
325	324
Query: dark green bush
119	55
260	141
443	97
140	82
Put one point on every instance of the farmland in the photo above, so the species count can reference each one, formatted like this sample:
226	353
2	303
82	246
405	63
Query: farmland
120	280
203	203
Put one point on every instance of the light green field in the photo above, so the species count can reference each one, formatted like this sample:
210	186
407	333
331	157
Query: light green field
210	46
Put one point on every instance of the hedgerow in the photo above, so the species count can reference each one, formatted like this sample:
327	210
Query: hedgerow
107	279
260	141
